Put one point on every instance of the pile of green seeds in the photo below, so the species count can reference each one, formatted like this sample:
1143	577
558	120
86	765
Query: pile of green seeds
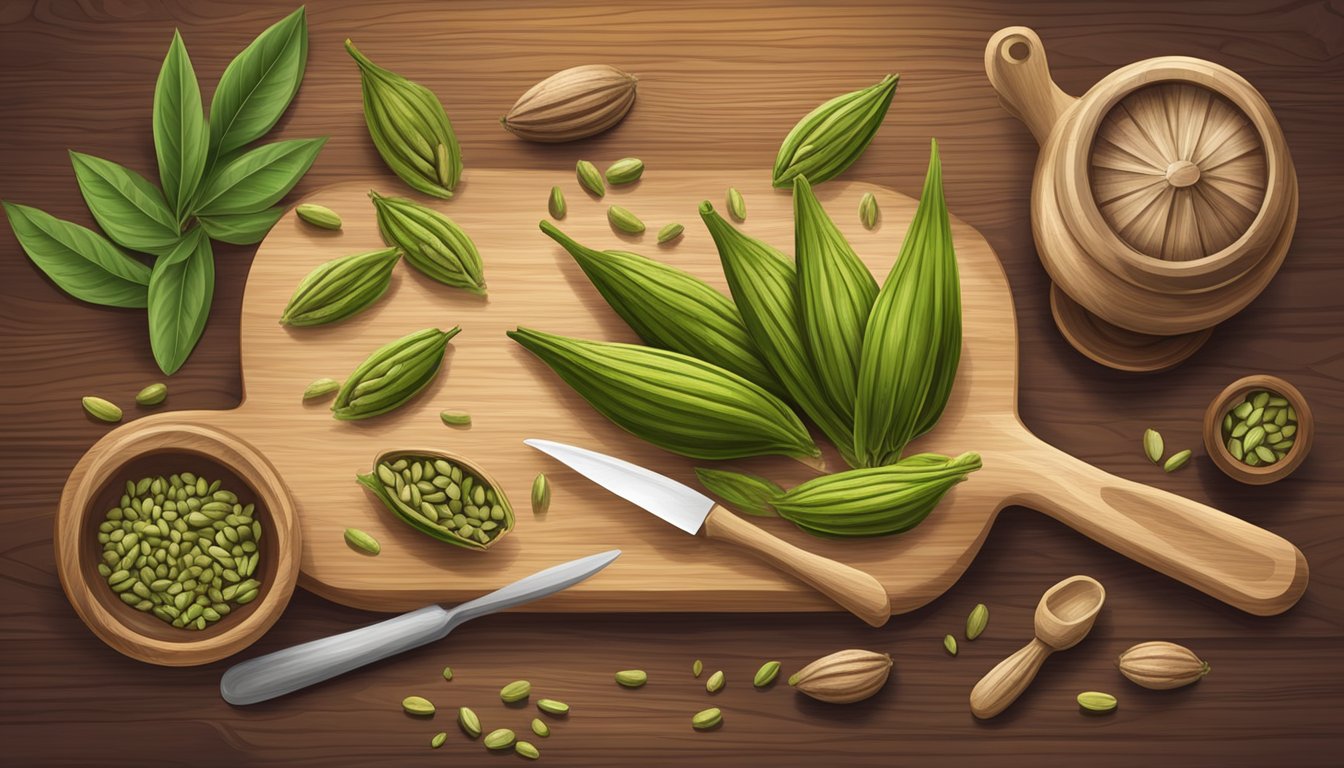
181	548
441	498
1260	430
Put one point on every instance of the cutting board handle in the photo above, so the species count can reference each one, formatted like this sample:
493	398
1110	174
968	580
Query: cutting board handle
1017	68
1212	551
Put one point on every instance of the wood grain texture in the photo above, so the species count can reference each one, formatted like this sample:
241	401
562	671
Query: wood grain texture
734	74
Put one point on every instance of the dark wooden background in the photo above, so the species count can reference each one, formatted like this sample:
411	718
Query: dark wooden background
721	82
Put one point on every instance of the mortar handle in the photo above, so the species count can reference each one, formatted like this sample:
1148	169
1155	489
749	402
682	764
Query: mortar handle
1016	65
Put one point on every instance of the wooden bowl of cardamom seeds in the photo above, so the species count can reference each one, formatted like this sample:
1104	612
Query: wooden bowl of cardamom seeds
1259	429
177	544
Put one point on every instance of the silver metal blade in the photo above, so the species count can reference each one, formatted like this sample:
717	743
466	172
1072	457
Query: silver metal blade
536	586
675	502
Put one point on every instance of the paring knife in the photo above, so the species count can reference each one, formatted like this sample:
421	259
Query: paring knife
276	674
690	510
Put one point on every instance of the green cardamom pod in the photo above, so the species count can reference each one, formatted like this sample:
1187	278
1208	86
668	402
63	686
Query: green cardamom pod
469	722
1178	460
832	136
319	216
553	707
540	727
697	668
103	410
556	203
868	211
977	621
362	541
431	242
409	128
912	343
440	515
1153	445
706	719
417	705
341	288
737	206
632	678
835	294
877	501
541	494
627	170
670	232
455	418
715	682
527	749
1096	701
152	395
670	309
622	220
746	493
321	388
950	643
675	401
515	691
766	674
500	738
764	284
589	178
447	673
392	374
438	740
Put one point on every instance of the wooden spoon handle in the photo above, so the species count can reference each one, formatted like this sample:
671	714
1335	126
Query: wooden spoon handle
1007	680
1016	66
1224	556
855	590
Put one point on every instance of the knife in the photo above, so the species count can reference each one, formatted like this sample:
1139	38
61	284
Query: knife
300	666
691	511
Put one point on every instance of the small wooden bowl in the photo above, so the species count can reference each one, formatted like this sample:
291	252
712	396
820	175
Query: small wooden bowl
161	446
1226	400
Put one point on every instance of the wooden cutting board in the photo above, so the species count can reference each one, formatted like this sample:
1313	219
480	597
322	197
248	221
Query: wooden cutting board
512	396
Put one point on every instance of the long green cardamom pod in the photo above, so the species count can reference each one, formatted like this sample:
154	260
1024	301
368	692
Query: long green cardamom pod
410	129
835	293
393	374
912	345
341	288
832	136
751	494
674	401
876	501
763	283
670	309
431	242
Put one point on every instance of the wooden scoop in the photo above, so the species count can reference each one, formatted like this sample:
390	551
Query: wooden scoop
1063	618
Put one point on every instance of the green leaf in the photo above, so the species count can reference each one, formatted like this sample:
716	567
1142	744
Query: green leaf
180	290
258	85
80	261
128	207
241	228
257	179
181	139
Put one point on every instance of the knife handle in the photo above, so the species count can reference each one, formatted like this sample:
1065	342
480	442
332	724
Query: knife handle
858	592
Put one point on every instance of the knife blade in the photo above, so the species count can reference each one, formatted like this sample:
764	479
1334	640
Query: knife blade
300	666
692	511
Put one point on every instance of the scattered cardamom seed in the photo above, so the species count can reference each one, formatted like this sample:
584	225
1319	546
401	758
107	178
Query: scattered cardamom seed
469	722
590	179
447	673
670	232
500	738
1096	701
766	674
540	728
101	409
1152	445
697	668
541	494
706	719
362	541
438	740
715	682
455	418
1177	460
868	211
526	749
625	171
632	678
152	395
950	643
556	203
737	206
553	707
515	691
320	389
623	220
977	621
417	705
319	216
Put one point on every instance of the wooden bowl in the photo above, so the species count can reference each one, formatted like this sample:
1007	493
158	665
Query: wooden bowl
162	447
1226	400
1116	347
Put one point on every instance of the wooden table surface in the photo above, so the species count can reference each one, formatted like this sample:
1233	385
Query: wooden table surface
721	82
